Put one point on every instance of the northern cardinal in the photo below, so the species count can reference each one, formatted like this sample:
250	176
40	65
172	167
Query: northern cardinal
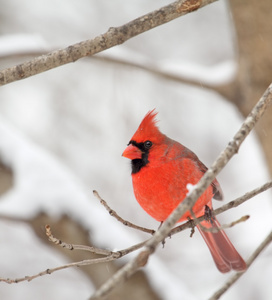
161	171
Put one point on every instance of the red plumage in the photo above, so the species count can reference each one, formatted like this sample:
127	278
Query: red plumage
161	170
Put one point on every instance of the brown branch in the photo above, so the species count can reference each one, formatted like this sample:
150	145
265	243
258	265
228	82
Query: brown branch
130	268
236	276
59	242
50	271
118	218
116	254
225	226
114	36
244	198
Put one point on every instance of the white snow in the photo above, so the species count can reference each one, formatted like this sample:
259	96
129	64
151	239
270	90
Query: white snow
190	188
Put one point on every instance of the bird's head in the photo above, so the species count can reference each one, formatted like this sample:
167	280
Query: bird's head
146	138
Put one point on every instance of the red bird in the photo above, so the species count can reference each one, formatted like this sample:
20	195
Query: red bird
161	171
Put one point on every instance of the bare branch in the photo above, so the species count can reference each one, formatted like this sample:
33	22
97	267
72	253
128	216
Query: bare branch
232	148
118	218
225	226
59	242
236	276
115	254
50	271
114	36
244	198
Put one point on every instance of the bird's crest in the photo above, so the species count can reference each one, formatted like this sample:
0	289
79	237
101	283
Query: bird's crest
148	129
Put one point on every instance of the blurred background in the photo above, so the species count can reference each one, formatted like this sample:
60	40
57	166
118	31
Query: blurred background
62	134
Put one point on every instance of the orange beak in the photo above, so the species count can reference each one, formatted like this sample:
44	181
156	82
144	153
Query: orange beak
132	152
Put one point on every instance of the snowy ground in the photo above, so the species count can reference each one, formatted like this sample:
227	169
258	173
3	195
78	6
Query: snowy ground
63	132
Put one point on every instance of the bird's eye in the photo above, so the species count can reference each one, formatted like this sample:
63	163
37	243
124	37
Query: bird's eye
147	144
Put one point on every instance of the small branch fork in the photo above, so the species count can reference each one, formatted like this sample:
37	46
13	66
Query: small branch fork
118	218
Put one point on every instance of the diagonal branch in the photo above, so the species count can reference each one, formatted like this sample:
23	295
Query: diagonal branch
114	36
118	218
50	271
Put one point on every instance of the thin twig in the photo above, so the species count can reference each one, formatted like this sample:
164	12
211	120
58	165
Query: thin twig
50	271
118	218
130	268
115	254
242	219
225	226
59	242
236	276
242	199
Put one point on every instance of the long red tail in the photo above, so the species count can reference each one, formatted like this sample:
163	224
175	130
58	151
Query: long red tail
223	252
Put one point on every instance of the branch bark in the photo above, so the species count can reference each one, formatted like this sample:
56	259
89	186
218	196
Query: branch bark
114	36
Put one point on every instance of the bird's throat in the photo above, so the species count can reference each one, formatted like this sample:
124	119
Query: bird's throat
138	164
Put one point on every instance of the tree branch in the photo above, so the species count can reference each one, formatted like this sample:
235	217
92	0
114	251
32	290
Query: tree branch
114	36
50	271
59	242
118	218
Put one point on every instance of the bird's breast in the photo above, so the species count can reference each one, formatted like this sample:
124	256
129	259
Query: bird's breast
160	187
